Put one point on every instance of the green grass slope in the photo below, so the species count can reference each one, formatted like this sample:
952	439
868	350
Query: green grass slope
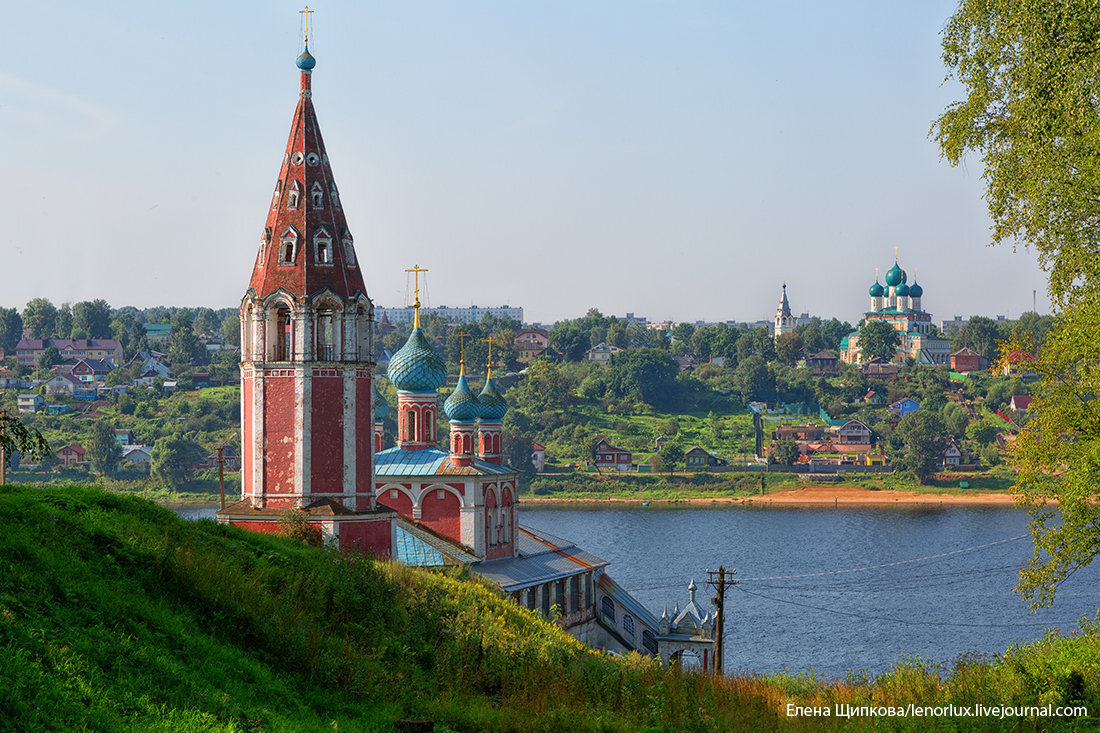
117	616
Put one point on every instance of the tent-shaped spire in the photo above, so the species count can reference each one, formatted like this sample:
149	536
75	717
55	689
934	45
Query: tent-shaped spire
306	246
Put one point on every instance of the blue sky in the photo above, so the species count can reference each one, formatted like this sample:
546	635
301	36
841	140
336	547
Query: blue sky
673	159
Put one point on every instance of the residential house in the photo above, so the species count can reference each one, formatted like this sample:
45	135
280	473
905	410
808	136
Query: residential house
880	369
538	457
602	352
659	442
1014	363
685	363
72	455
125	436
612	458
230	459
904	406
874	399
28	350
90	370
823	363
853	436
62	385
531	343
798	432
58	409
158	333
952	456
700	459
966	360
30	402
1019	404
137	455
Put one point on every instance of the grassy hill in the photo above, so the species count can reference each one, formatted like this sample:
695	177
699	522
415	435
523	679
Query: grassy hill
117	616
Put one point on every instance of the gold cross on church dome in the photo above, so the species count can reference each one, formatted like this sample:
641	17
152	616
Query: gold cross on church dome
416	270
305	22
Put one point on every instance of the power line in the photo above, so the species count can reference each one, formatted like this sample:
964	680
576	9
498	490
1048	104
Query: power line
898	620
890	564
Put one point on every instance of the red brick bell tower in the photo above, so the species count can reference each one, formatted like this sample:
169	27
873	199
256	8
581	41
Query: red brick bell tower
307	417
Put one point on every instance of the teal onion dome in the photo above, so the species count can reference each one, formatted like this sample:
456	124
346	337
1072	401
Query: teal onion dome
493	405
381	407
416	367
462	405
306	62
915	291
876	290
895	276
902	289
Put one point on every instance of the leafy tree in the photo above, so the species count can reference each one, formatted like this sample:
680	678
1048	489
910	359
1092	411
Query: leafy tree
173	460
878	340
92	319
64	327
185	347
569	340
682	332
546	388
11	329
786	451
40	318
49	358
752	376
231	331
982	432
1031	329
104	452
922	437
955	419
517	451
648	375
15	438
672	455
980	334
1000	392
787	347
588	450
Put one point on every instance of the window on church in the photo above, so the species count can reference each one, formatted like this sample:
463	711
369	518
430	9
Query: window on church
410	426
349	253
574	594
628	625
546	601
326	335
324	252
317	194
287	255
649	641
293	196
607	609
335	194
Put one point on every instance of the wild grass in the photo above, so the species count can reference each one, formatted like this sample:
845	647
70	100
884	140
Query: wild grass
117	616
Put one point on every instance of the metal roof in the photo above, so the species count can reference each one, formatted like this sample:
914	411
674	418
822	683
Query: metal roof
415	546
394	462
516	573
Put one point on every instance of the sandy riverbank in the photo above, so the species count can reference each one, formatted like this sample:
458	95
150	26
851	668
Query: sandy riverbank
813	496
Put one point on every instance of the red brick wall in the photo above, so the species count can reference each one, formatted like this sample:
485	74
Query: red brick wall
327	436
279	437
442	515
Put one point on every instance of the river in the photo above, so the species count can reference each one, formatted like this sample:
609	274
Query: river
831	590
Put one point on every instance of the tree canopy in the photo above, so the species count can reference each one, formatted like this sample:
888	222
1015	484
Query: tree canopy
878	340
1031	76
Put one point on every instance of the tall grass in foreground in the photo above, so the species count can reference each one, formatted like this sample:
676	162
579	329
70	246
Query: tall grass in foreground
116	615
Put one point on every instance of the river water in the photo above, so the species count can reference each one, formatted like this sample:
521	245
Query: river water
832	590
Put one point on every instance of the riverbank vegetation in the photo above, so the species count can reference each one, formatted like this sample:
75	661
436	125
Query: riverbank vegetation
116	615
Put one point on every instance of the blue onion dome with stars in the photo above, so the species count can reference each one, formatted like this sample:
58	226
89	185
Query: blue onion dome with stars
462	405
305	61
895	276
381	407
915	291
902	289
876	290
416	367
493	405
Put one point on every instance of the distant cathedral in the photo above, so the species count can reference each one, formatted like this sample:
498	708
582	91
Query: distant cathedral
899	304
784	319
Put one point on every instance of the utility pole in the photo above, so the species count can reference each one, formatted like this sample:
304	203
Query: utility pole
221	473
3	452
720	579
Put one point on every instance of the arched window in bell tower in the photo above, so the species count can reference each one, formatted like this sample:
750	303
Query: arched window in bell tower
410	426
293	196
327	336
282	330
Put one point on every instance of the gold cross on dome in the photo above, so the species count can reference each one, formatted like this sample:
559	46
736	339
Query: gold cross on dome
462	336
416	270
305	19
489	369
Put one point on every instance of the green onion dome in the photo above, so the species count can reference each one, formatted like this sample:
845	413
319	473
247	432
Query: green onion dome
381	407
416	367
493	405
306	62
895	276
876	290
902	289
915	291
462	405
